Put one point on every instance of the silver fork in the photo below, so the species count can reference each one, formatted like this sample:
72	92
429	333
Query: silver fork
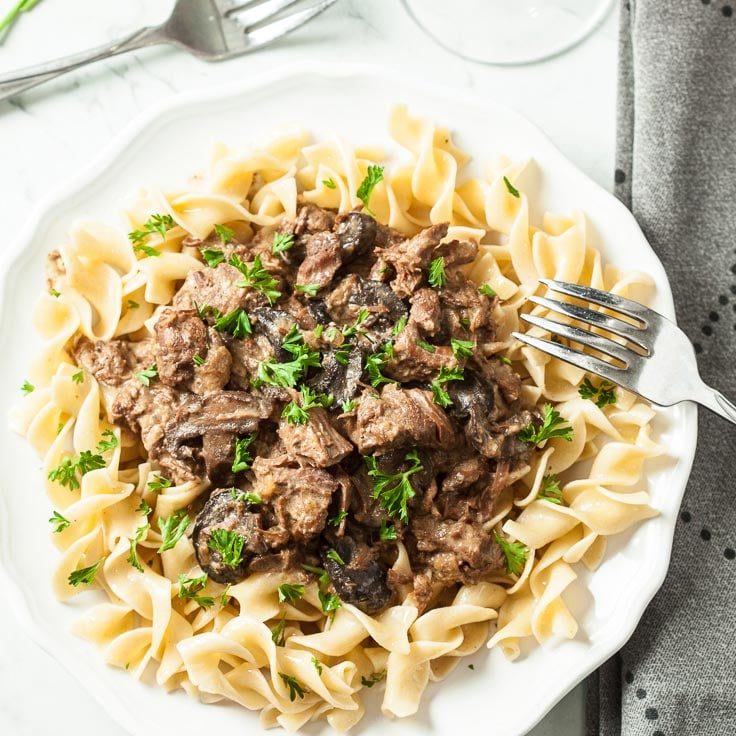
210	29
657	362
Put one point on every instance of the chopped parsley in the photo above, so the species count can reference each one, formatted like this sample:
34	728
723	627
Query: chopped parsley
198	360
60	522
512	190
224	233
54	292
235	323
505	360
290	592
212	256
27	388
245	496
437	276
133	304
160	224
243	459
228	544
143	508
225	595
317	665
372	177
338	518
281	242
486	290
329	183
108	444
334	555
296	689
277	633
290	373
191	587
329	601
387	532
603	395
515	552
146	375
439	393
140	533
400	324
348	406
85	575
322	577
308	289
373	679
394	491
342	354
425	346
550	490
376	362
78	377
256	277
550	428
318	330
354	329
158	484
69	469
172	529
295	414
462	348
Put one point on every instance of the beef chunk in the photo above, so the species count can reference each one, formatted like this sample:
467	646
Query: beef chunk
107	361
299	496
180	335
217	288
313	219
214	373
412	362
323	256
454	551
229	512
315	443
361	580
399	418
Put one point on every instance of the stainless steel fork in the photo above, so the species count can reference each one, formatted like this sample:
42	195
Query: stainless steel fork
655	361
210	29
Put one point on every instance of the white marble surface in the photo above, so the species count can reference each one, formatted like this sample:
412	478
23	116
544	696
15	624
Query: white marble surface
50	132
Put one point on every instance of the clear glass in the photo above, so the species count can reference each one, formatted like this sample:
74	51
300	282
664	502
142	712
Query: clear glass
508	31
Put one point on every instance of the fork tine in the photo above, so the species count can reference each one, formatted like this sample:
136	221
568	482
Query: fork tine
271	31
249	16
602	298
598	319
601	344
579	359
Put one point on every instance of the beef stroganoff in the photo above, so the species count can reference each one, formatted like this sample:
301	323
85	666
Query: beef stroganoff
285	429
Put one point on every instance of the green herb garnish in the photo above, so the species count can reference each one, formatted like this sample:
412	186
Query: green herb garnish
334	555
486	290
387	532
462	348
243	459
550	428
329	601
256	277
281	242
338	518
603	395
140	532
85	575
425	346
172	529
309	289
245	496
329	183
158	484
512	190
212	256
290	592
373	679
372	177
394	491
296	689
228	544
155	224
439	394
59	521
78	377
515	552
191	587
550	490
146	375
224	233
236	323
437	276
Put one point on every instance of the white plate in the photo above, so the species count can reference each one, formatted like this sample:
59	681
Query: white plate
352	102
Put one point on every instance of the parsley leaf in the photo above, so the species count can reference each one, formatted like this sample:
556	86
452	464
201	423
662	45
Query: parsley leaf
317	665
372	177
281	242
329	183
212	256
603	395
190	588
172	529
236	323
513	191
143	508
146	375
437	276
78	377
158	484
133	304
296	689
334	555
338	518
308	289
224	233
486	290
243	459
198	360
550	490
289	373
515	552
425	346
388	532
348	406
295	414
354	329
225	595
439	394
322	577
27	388
400	324
550	428
54	292
376	362
228	544
59	521
65	474
373	679
462	348
85	575
155	224
329	601
132	558
108	444
256	277
290	592
394	491
277	633
245	496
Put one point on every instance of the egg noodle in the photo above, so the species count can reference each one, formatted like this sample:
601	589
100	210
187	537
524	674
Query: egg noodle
321	662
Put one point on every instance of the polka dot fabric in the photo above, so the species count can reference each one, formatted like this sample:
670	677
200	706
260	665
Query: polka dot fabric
676	170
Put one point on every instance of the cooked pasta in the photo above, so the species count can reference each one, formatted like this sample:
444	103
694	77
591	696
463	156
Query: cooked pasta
291	660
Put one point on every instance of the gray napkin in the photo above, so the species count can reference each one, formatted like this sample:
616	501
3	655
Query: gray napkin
676	170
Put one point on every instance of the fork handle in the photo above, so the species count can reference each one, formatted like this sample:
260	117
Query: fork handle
718	403
23	79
